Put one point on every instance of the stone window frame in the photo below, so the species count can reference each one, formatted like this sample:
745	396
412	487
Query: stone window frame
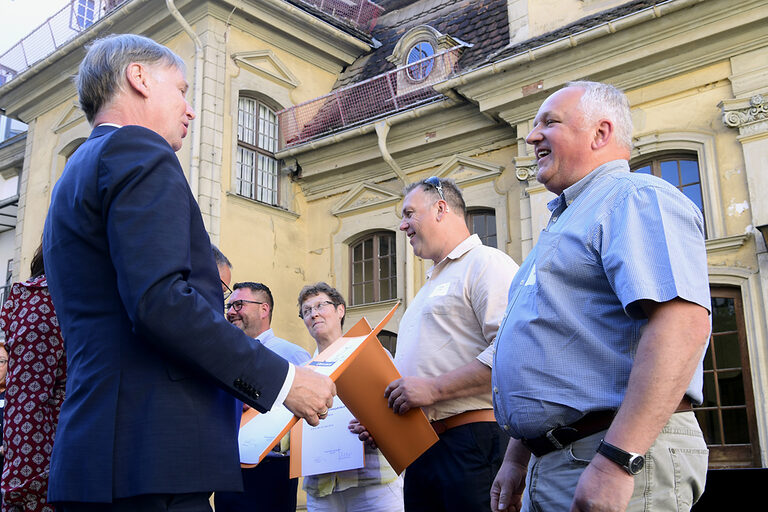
416	35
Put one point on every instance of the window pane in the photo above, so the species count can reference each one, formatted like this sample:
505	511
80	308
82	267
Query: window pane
483	224
693	192
267	180
731	387
357	294
267	129
710	426
646	169
669	172
723	314
383	269
708	364
357	273
710	394
689	170
727	350
368	249
368	270
735	426
357	252
245	172
384	290
368	293
246	121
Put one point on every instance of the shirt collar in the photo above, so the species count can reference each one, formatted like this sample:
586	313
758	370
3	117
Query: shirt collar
460	250
570	194
265	336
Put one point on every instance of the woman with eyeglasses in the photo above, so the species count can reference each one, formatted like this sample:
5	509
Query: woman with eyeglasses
375	487
35	389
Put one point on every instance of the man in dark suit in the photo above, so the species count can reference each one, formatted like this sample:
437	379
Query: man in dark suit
150	420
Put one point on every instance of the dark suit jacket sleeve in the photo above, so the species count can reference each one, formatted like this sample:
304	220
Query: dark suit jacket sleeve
157	242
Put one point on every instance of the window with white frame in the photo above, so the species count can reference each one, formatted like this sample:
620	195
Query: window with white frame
257	141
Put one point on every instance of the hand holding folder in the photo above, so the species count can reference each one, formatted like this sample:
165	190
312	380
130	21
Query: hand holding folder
361	369
360	383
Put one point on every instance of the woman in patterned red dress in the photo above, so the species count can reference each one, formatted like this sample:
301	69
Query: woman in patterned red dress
35	390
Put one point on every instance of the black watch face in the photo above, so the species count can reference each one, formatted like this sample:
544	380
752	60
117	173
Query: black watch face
636	464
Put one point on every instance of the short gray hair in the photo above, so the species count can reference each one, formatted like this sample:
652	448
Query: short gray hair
221	260
102	72
606	101
451	191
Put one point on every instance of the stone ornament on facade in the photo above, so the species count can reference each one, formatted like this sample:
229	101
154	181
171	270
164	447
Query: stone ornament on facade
526	172
756	111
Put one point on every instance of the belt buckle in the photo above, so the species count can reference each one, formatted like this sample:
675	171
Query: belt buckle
550	435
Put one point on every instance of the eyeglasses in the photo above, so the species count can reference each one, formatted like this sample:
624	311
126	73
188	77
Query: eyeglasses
307	311
3	362
237	305
434	181
227	290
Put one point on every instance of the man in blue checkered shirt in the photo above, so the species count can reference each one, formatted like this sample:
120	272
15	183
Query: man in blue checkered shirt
598	359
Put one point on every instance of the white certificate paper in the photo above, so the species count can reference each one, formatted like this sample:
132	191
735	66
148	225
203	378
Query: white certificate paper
329	364
330	446
256	435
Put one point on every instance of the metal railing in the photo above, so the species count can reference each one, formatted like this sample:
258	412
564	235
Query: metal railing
361	14
75	17
380	96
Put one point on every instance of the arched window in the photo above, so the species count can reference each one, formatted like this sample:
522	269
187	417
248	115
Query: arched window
682	171
257	135
482	222
373	269
727	416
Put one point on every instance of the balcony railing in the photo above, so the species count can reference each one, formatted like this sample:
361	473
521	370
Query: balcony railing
361	14
75	17
380	96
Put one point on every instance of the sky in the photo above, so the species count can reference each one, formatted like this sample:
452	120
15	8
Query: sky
20	17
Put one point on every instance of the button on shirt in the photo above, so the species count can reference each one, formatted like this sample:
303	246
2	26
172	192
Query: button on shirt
454	319
573	323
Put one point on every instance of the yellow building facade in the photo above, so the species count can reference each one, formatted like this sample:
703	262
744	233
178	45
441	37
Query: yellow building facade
290	213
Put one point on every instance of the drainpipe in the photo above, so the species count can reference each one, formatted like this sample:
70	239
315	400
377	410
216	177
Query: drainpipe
197	102
382	130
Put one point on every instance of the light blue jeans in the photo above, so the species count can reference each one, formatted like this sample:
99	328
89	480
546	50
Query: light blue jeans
672	479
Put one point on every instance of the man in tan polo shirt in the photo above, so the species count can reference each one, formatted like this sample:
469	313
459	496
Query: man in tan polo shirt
445	349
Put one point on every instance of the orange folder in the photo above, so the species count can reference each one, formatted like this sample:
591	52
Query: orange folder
360	383
360	329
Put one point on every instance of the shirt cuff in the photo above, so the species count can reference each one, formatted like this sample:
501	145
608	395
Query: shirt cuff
283	394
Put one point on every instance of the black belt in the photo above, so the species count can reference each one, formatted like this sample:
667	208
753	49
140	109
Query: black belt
591	423
560	437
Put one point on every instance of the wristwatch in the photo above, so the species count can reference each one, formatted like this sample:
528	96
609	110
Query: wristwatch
632	463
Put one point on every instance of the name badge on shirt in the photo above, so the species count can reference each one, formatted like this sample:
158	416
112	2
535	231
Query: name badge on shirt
440	290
